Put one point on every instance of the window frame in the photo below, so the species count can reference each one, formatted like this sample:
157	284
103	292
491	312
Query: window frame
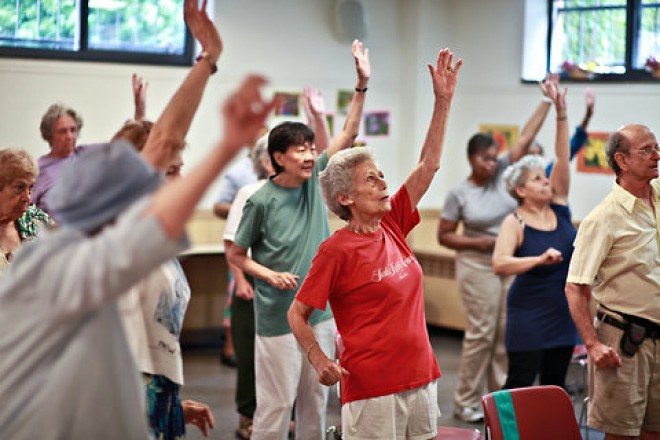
633	17
84	53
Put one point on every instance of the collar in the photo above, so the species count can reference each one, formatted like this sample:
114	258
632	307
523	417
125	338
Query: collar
627	200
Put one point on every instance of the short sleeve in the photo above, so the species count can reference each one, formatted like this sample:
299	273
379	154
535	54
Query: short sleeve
452	209
592	244
318	284
249	228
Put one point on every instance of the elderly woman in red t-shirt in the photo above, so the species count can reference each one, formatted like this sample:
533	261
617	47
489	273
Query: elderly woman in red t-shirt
374	284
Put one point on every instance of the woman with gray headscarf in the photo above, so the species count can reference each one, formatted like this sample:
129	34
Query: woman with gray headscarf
535	243
66	370
374	285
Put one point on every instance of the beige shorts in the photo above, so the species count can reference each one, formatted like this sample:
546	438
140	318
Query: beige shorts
411	414
625	400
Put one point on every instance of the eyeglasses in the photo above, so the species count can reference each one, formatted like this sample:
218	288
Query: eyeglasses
647	151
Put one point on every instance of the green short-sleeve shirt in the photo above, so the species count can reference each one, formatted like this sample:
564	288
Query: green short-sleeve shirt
284	227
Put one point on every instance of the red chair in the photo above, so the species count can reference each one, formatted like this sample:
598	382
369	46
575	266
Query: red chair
448	433
532	413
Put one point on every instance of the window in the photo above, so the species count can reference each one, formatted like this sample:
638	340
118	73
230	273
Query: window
593	39
137	31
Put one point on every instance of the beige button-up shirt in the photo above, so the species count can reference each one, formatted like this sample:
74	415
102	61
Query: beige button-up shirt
617	252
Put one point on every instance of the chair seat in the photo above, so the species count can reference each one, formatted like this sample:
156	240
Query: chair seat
449	433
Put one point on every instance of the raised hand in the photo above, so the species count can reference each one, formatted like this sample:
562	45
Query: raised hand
198	414
558	98
551	79
202	28
139	96
589	99
313	102
361	57
245	112
444	74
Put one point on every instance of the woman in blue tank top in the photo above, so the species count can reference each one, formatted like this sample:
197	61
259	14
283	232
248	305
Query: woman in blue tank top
535	243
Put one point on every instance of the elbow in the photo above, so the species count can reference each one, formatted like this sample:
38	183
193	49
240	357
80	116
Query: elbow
498	268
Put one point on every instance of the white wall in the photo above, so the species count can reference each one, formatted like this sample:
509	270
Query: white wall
295	43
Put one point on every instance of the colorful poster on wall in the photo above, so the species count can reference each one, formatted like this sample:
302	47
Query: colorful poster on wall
330	119
289	105
592	158
377	123
503	135
344	101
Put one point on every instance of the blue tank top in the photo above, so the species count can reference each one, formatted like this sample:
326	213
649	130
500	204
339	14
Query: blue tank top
537	310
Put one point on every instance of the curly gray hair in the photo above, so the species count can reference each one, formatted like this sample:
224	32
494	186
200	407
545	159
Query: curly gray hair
337	178
515	174
51	116
258	154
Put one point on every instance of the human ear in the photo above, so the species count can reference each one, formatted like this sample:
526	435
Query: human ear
344	199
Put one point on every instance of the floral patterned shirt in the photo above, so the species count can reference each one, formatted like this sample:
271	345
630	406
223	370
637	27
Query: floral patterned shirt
29	223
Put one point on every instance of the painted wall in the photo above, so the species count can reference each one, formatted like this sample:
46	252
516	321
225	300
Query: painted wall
295	43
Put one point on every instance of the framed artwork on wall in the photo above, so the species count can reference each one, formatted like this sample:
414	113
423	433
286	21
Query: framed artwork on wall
289	105
503	135
592	158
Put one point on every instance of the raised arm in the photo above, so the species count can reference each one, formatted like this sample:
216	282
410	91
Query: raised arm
533	125
244	114
314	106
349	131
139	96
560	177
443	77
171	128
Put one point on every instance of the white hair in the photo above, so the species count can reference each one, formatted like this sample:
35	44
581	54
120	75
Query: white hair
337	178
515	174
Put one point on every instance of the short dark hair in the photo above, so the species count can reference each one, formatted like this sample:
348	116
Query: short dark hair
617	142
285	135
480	142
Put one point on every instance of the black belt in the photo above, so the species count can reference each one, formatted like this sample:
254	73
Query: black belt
652	329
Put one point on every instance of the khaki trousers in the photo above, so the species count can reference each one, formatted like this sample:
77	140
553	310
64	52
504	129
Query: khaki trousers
484	355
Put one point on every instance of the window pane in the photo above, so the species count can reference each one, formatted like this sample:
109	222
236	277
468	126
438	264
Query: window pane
39	24
648	34
154	26
590	34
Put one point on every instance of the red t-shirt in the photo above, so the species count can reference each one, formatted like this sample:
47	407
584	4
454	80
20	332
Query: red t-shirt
375	288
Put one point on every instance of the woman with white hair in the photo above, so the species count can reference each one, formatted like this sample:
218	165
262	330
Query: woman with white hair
535	243
374	285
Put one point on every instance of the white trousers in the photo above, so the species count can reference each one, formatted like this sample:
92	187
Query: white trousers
484	355
283	376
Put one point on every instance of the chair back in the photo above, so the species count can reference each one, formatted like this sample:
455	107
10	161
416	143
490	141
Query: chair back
532	413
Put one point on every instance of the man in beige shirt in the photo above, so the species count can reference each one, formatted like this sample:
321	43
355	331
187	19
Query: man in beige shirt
617	255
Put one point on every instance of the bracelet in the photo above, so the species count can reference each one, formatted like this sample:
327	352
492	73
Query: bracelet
357	89
561	118
309	349
206	56
546	99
